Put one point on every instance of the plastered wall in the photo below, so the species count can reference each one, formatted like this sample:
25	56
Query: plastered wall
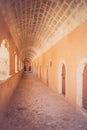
70	50
7	88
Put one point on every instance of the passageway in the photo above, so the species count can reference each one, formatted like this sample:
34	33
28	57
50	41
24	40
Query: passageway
35	107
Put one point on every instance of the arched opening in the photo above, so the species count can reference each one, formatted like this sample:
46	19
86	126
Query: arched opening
62	78
26	65
4	60
82	84
15	62
40	72
85	87
47	76
24	68
29	68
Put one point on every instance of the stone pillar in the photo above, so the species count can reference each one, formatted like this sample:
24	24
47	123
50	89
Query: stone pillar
12	60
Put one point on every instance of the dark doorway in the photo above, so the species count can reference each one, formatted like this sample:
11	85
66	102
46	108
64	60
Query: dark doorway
63	79
47	77
40	72
85	87
24	68
29	68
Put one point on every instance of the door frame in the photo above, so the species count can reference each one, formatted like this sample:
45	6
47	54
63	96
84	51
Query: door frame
85	87
63	79
60	77
79	78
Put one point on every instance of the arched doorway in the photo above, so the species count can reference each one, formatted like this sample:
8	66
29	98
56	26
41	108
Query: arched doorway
85	87
63	79
82	84
47	76
29	68
40	72
15	62
24	68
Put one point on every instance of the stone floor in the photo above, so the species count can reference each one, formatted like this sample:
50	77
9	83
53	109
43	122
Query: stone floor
35	107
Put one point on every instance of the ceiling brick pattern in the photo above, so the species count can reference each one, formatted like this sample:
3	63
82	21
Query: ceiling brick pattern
36	25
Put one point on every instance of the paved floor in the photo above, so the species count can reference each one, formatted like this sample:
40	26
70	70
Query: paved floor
35	107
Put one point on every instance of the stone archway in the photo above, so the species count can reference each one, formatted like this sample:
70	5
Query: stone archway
62	78
80	78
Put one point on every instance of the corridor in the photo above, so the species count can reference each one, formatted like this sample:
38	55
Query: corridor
34	106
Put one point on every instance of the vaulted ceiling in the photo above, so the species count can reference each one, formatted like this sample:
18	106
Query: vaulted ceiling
36	25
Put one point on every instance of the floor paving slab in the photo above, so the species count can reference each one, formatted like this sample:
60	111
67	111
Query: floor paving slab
35	107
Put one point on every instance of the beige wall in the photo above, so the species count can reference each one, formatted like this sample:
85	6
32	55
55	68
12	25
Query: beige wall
7	88
70	50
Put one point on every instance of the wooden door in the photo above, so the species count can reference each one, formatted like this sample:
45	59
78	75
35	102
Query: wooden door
47	76
85	87
29	68
63	79
40	72
24	68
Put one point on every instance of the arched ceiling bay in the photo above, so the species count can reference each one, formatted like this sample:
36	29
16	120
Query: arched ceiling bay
39	24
